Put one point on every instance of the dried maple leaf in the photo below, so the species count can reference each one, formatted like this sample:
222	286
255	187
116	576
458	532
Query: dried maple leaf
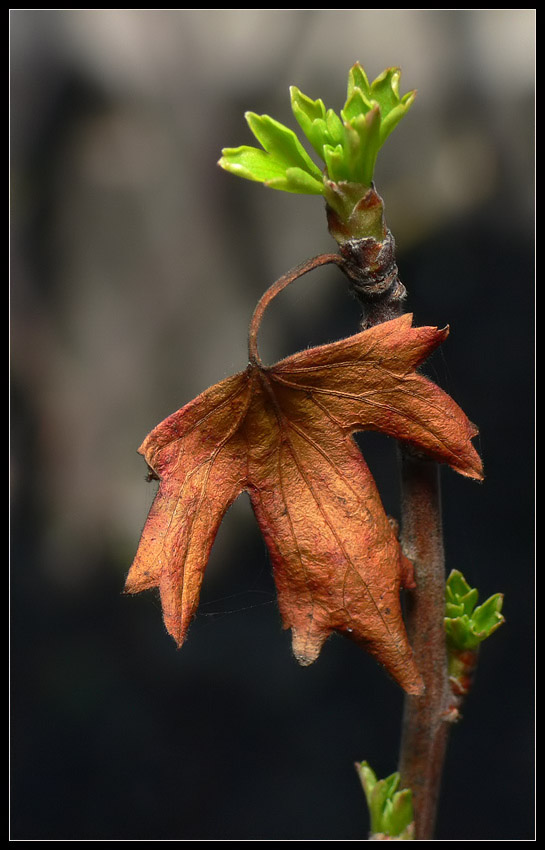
284	434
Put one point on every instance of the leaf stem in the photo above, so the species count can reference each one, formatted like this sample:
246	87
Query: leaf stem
276	288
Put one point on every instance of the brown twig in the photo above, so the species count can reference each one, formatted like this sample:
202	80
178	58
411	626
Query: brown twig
425	719
372	270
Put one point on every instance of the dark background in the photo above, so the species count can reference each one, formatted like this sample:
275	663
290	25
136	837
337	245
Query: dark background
136	264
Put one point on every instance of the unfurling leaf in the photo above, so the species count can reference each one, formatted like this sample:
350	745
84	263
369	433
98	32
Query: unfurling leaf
467	626
284	435
348	143
391	810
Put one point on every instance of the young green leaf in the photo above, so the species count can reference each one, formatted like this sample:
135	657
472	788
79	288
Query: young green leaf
348	144
311	117
467	624
356	105
282	143
253	164
357	79
282	164
390	810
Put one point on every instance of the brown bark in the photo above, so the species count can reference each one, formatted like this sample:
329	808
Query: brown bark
425	720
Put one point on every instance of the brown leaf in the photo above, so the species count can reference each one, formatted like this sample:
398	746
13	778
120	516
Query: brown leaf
284	434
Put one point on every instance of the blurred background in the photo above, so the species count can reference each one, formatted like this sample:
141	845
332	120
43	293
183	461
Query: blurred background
135	266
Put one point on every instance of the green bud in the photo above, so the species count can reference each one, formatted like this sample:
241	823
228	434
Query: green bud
390	810
467	624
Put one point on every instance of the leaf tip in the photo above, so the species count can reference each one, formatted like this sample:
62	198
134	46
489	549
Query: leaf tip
138	580
472	469
415	686
473	466
305	647
176	628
